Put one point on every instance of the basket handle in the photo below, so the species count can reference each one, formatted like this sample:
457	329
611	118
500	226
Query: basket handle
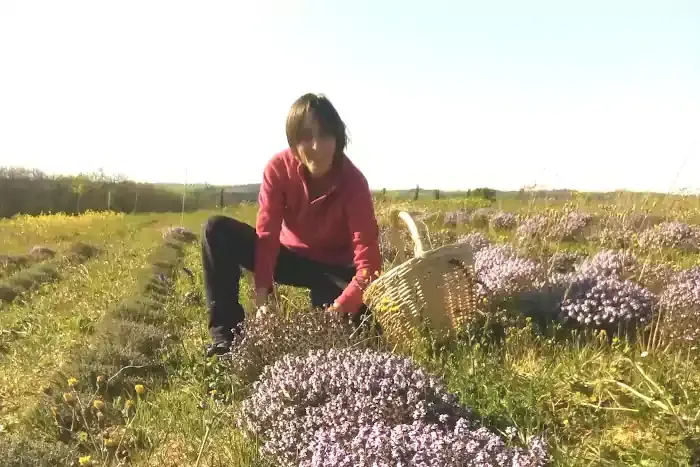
412	229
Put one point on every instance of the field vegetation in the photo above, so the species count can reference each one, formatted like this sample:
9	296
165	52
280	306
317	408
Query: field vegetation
103	326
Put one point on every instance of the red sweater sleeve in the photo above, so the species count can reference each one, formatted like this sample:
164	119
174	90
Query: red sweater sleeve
363	226
268	225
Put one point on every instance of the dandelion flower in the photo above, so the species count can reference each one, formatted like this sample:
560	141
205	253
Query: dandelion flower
140	390
72	383
98	404
85	460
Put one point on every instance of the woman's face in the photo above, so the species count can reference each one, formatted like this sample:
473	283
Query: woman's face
315	148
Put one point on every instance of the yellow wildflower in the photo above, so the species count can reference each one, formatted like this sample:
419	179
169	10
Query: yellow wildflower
129	404
98	404
140	390
85	460
72	382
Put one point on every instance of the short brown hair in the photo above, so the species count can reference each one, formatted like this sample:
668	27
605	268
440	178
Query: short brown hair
325	114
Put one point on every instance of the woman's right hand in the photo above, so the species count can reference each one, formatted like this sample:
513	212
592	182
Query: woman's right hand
261	297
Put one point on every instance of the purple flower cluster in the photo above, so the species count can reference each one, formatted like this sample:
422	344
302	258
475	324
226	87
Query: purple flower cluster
599	301
348	407
572	224
476	240
672	234
420	444
610	263
503	221
567	226
533	227
501	272
268	336
680	302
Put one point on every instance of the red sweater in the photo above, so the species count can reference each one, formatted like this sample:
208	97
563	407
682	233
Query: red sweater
336	226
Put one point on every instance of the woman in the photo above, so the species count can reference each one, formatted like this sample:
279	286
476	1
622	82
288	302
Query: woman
316	227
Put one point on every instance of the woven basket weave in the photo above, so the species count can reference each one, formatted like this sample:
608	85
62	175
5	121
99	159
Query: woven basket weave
436	289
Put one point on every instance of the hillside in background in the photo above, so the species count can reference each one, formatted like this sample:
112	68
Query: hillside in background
30	191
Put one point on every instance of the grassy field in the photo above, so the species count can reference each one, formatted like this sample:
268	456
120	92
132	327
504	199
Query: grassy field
101	345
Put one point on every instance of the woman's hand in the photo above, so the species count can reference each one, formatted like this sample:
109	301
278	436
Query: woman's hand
261	297
336	308
262	302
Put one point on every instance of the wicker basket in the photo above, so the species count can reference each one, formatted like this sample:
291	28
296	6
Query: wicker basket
435	290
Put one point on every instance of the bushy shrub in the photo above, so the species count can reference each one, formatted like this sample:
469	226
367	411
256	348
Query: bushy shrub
605	302
567	226
476	240
20	451
501	272
503	221
266	337
571	225
364	408
534	227
680	303
420	443
672	234
610	263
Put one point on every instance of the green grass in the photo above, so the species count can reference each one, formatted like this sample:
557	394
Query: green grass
598	402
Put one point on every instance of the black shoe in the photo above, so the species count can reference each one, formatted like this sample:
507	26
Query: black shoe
218	348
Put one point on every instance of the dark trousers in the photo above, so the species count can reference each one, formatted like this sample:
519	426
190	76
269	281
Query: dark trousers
229	245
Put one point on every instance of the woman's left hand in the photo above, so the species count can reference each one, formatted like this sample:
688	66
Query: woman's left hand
336	308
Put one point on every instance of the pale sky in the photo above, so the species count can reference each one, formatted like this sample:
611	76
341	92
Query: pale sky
596	95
